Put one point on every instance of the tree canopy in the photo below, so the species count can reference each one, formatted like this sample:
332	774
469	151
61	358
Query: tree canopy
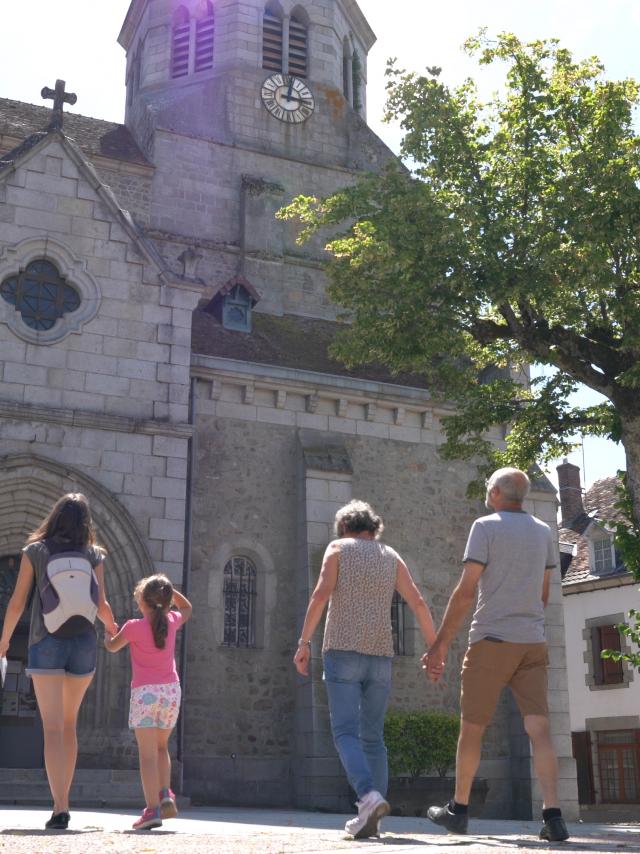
509	236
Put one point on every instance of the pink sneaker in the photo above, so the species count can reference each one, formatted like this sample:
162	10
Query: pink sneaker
168	808
149	818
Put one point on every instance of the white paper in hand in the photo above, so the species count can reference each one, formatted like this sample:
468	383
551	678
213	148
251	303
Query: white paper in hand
3	669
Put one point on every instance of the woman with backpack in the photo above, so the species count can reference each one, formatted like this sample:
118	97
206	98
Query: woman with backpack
67	566
155	689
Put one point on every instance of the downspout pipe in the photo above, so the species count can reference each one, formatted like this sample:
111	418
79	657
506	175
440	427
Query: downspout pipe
186	577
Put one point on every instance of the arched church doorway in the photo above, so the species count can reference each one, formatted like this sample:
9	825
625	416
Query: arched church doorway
21	741
29	486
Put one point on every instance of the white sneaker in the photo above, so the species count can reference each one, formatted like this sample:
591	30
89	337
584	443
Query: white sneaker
371	809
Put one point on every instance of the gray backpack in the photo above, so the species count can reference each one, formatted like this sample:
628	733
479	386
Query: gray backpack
68	593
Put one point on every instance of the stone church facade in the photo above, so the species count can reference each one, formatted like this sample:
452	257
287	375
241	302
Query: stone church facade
163	348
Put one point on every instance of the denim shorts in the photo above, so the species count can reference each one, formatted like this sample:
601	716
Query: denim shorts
74	656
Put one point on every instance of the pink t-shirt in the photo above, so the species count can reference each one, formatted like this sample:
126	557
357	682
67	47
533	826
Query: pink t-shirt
150	665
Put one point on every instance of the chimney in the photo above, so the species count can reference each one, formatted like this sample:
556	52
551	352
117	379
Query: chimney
570	492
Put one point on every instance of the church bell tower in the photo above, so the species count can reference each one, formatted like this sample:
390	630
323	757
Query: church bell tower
277	75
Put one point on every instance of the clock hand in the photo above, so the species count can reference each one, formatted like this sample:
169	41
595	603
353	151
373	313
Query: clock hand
290	89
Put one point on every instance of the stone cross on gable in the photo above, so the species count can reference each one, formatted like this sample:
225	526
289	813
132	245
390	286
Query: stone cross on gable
59	98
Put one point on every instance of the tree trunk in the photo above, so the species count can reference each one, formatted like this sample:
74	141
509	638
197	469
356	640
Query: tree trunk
631	442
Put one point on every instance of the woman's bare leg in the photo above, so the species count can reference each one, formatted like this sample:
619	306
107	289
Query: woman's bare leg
49	693
73	691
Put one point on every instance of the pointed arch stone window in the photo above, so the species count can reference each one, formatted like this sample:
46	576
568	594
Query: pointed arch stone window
180	42
239	594
272	52
205	29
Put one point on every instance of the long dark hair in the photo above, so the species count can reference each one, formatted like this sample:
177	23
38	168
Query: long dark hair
156	592
68	521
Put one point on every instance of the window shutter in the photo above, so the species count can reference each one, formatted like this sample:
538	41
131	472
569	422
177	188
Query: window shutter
271	42
180	46
612	673
297	48
581	743
204	41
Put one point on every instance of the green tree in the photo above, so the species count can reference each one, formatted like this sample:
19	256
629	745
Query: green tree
513	237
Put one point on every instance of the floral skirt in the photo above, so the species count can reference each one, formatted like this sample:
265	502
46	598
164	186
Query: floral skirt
154	706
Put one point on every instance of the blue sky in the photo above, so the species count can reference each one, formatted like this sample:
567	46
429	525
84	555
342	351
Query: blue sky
76	40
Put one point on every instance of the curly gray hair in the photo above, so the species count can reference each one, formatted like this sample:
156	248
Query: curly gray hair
356	517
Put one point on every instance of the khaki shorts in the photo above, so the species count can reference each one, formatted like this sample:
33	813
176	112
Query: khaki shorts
489	665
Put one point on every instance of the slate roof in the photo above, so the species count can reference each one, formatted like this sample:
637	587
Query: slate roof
289	341
599	506
20	120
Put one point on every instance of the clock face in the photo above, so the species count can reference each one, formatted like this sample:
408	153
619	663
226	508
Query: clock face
288	98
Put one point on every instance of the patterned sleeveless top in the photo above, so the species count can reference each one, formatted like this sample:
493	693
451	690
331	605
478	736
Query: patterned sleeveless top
359	616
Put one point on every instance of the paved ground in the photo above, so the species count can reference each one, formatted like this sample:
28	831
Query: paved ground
243	831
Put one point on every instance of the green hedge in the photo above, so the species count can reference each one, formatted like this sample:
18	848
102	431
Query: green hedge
421	742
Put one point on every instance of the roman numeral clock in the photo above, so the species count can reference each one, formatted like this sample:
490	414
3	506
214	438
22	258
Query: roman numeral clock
287	98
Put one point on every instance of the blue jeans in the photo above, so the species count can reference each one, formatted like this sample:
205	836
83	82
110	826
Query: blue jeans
358	688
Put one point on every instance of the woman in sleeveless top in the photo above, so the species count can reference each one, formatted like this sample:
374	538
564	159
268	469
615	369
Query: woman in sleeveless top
61	664
358	578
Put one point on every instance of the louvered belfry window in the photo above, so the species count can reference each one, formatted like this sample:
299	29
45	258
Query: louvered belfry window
180	43
297	48
271	42
204	40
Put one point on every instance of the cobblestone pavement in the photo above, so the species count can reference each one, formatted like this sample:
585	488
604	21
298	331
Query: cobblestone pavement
238	831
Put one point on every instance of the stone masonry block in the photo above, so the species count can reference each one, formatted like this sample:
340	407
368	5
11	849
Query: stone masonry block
134	444
137	484
27	374
175	508
167	487
317	488
57	186
117	461
170	446
173	550
166	529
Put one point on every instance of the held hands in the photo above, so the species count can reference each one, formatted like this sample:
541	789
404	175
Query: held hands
433	662
4	648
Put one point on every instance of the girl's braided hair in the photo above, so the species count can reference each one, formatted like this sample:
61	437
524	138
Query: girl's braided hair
156	592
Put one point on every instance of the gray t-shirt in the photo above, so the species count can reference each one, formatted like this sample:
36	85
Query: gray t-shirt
515	549
38	554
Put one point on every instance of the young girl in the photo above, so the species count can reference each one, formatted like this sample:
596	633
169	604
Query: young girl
155	689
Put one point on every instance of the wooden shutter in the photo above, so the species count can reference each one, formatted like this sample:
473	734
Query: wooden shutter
180	44
581	744
271	42
609	638
204	41
297	48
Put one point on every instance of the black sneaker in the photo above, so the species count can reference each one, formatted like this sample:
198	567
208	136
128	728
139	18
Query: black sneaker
554	830
454	822
58	821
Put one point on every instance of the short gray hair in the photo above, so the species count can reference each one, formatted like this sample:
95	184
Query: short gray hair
356	517
513	483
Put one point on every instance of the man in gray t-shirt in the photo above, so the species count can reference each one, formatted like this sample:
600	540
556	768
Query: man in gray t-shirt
507	565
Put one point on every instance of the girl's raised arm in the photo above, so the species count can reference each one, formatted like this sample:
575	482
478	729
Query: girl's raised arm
115	643
183	605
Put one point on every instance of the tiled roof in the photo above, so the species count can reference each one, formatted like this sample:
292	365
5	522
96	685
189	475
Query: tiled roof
18	120
288	341
599	503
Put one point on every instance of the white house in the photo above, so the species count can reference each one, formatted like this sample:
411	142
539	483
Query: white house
604	696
